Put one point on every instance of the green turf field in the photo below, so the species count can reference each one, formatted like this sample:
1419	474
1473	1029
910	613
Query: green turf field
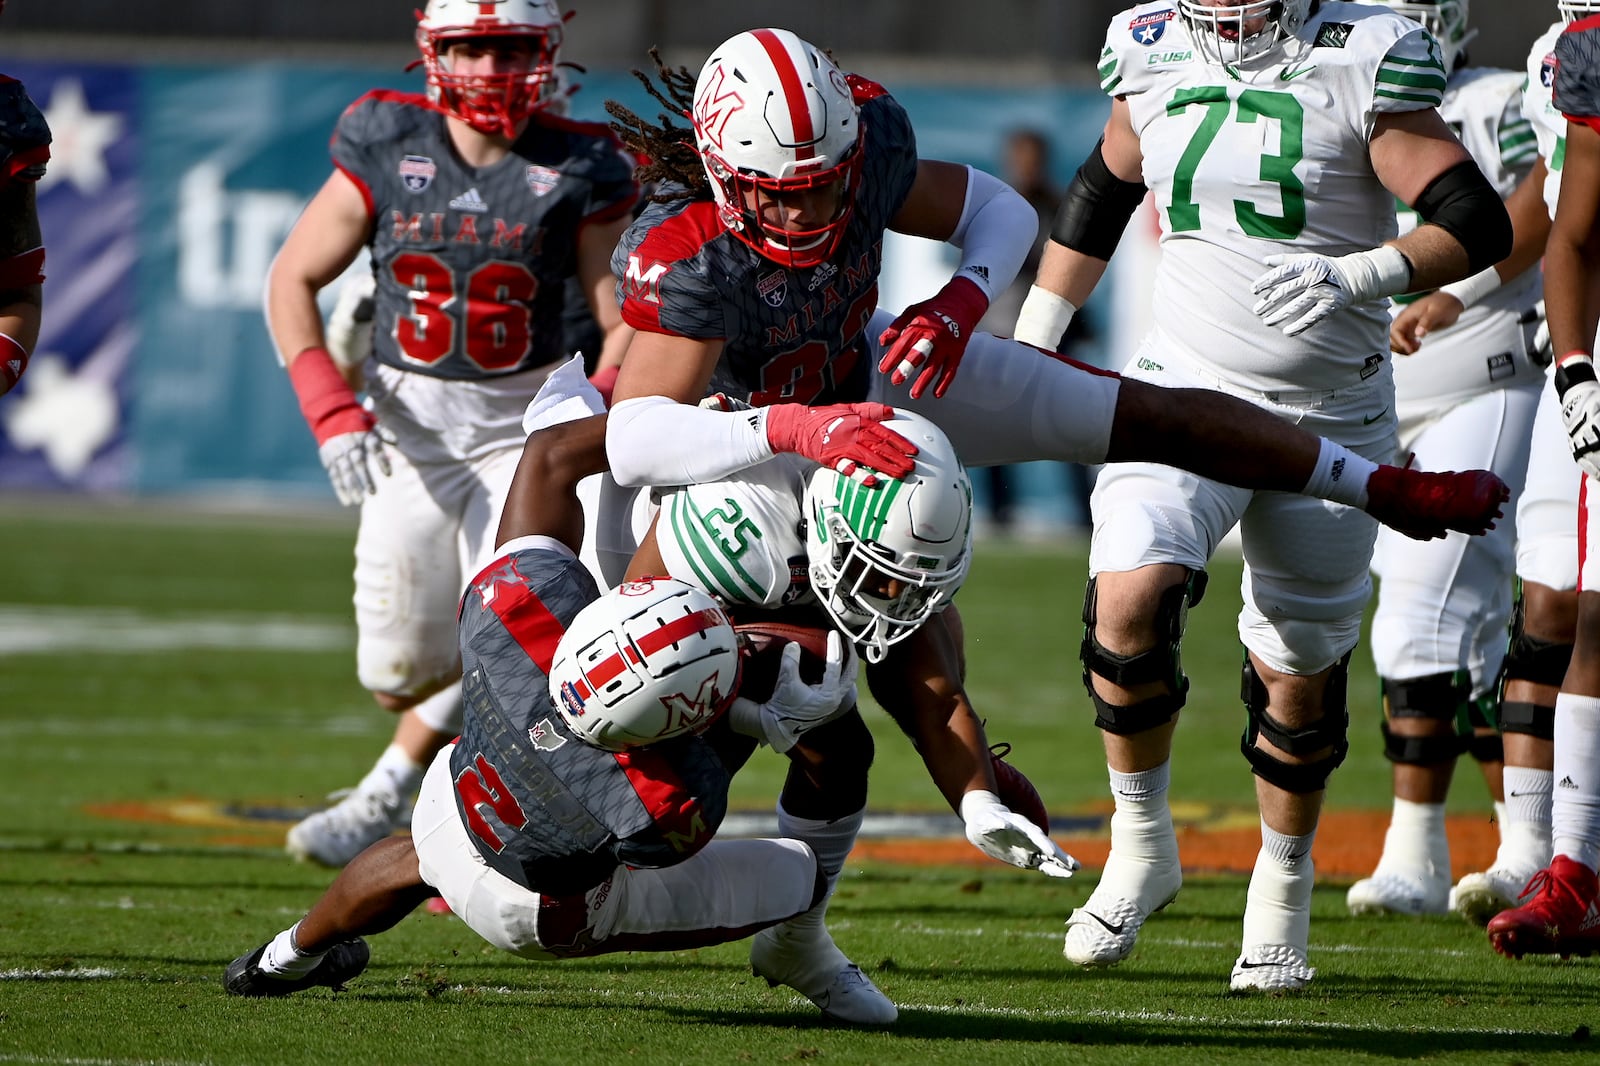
163	667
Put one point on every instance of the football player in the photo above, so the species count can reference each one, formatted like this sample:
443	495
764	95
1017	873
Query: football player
1275	137
575	816
1557	909
1465	391
1544	623
476	203
24	151
755	272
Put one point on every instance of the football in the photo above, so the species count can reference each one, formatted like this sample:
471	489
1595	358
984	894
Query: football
1016	791
761	644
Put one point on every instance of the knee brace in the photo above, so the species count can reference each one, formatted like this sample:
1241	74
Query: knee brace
1481	713
1330	731
1440	697
1529	719
1160	663
1540	662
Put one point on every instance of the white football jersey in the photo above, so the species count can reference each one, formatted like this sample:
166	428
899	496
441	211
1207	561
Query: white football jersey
1484	349
1270	158
1549	125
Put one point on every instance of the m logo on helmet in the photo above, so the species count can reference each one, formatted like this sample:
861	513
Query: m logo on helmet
639	283
686	713
715	108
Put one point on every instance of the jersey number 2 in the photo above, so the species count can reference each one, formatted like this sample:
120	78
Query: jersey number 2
480	785
497	320
1253	104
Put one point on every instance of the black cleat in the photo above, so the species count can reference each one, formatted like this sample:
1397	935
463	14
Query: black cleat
343	962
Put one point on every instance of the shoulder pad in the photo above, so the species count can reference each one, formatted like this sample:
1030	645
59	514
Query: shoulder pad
382	115
1135	38
1577	74
1411	74
863	89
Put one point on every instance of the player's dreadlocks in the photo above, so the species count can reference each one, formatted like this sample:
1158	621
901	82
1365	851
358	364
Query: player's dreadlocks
668	147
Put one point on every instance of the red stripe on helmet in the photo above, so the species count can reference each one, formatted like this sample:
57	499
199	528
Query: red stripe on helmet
675	631
794	92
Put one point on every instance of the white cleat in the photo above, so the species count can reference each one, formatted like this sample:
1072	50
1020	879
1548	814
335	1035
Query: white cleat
1477	897
1102	931
1271	968
1390	893
818	970
334	836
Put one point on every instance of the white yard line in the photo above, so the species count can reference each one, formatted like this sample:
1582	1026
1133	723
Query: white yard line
43	630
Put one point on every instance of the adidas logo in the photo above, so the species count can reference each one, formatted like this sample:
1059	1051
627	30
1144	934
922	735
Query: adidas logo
979	271
469	201
1567	782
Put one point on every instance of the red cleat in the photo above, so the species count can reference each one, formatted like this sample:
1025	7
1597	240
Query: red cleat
1426	505
1556	915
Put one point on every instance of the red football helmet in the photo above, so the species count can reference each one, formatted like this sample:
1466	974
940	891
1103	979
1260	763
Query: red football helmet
774	119
491	103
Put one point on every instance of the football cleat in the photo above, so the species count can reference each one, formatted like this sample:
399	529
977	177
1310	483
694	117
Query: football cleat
1425	505
1477	897
1102	931
334	836
244	976
818	970
1271	968
1556	916
1391	893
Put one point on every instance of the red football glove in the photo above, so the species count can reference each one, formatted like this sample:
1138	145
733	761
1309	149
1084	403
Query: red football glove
348	441
847	437
932	335
13	361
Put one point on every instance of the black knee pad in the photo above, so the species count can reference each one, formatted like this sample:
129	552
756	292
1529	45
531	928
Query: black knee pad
1529	719
1486	747
1531	659
1332	731
828	769
1438	697
1160	663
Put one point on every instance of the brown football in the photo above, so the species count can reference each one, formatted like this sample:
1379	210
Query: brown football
1016	791
761	643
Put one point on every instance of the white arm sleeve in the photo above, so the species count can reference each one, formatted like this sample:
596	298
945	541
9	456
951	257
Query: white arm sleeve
654	440
995	233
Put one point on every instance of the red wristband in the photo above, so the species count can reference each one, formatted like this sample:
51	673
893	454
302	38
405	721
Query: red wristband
13	361
328	403
1576	352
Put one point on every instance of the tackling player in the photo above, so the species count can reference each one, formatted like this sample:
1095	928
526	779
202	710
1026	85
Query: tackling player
476	203
575	815
1275	137
1557	912
1465	393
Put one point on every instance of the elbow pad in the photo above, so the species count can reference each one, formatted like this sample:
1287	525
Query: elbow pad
1463	204
1096	208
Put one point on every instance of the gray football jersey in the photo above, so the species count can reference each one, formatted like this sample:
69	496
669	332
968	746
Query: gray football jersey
470	262
541	806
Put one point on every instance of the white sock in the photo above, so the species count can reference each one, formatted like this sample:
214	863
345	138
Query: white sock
1141	825
831	842
1500	814
284	959
1575	810
394	774
441	711
1416	843
1525	829
1278	904
1340	475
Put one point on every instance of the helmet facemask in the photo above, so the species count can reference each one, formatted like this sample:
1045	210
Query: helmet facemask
1573	10
1236	33
752	207
497	103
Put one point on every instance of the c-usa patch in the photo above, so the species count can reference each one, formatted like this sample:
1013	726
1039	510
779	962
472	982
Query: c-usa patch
1547	71
417	172
773	288
1148	29
542	179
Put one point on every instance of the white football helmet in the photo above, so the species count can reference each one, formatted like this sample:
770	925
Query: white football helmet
1573	10
1445	19
774	118
649	660
883	559
491	103
1231	34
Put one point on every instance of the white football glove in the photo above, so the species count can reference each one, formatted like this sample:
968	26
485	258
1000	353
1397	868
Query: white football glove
1302	290
1580	411
1001	833
794	706
349	333
349	459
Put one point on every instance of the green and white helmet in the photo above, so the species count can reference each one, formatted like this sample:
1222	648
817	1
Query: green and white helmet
884	559
1445	19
